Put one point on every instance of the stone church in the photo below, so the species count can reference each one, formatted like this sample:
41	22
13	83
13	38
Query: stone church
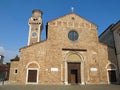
71	54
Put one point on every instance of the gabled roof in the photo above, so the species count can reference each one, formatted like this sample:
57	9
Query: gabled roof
33	44
72	13
108	28
117	25
15	59
112	27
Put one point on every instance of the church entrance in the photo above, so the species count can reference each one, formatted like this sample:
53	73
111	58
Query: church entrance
112	76
32	73
74	73
111	72
32	76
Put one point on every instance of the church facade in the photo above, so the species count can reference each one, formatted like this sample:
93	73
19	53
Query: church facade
71	54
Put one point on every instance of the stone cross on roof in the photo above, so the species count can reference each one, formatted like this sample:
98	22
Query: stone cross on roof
72	9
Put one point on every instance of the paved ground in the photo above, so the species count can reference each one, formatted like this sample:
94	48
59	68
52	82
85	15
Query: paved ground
59	87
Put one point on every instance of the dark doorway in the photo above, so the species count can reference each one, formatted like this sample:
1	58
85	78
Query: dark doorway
74	76
32	75
112	76
74	73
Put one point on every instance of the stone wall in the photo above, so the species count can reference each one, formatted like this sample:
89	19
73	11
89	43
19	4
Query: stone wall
50	57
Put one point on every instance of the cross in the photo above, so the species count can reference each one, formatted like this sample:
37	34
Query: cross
72	9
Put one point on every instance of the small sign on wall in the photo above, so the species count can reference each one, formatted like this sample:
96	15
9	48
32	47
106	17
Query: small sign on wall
93	69
54	69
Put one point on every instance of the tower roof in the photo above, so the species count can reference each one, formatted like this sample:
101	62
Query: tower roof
37	12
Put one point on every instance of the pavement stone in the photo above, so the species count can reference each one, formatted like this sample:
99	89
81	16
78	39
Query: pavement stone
59	87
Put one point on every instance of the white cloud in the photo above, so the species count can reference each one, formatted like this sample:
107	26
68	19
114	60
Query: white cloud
2	50
8	54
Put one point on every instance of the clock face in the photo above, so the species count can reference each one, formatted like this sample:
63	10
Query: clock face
34	34
73	35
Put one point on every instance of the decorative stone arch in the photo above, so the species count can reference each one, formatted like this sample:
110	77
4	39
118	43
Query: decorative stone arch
32	68
73	57
111	66
111	73
34	63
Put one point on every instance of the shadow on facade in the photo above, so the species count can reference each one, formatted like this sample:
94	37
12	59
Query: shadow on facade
112	67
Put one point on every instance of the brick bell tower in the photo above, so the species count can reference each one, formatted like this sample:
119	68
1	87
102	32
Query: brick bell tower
35	27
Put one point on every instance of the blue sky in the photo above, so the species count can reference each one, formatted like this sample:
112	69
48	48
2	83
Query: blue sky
14	15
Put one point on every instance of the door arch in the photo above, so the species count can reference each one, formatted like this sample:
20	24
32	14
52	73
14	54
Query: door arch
32	73
112	73
74	59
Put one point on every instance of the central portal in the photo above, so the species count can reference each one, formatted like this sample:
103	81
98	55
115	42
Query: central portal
74	73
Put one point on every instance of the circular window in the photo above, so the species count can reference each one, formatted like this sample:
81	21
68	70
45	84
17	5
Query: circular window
73	35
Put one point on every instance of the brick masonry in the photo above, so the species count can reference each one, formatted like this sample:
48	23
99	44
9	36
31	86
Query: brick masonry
50	57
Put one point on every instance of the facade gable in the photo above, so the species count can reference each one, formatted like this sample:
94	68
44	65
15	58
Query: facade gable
59	29
72	17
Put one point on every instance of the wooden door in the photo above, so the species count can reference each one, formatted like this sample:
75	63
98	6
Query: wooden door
74	73
74	76
32	75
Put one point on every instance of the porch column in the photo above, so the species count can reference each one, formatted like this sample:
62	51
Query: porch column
82	73
66	74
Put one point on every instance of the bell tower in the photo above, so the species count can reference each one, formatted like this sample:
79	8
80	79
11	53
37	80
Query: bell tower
35	27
